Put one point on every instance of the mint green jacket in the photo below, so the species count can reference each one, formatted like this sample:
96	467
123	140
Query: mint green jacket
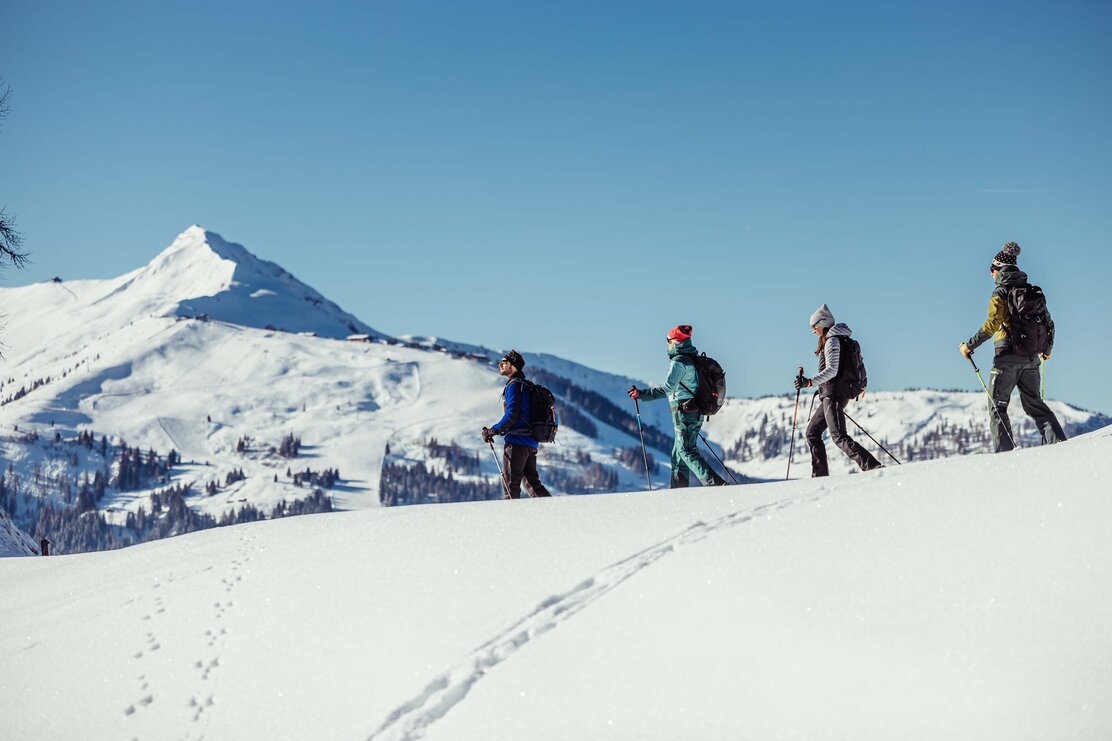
682	378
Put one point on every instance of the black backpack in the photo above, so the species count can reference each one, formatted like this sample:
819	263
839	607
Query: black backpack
1029	329
852	379
710	386
543	419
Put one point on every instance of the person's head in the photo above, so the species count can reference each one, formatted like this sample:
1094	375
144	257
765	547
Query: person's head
1006	256
821	322
678	334
511	363
822	317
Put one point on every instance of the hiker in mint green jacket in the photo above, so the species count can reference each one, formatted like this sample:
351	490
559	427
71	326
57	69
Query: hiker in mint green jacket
680	386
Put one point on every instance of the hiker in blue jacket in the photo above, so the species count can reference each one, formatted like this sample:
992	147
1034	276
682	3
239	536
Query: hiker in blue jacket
519	455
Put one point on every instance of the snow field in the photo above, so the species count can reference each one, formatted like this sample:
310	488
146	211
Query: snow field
959	599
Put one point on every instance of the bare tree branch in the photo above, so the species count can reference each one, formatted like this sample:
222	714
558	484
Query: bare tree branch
10	238
10	242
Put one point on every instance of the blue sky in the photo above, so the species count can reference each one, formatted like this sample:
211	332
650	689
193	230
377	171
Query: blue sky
576	178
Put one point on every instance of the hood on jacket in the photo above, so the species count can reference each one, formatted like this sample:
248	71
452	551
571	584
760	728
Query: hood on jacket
1009	276
841	329
682	348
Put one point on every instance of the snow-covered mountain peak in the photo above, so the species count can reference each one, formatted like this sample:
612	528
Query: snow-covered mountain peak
202	275
196	245
198	263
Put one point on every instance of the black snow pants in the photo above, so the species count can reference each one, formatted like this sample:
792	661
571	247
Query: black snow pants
831	414
1009	372
520	461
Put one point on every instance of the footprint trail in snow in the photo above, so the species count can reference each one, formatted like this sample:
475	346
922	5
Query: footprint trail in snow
409	721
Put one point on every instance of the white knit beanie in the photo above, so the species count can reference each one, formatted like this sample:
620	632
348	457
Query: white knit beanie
823	316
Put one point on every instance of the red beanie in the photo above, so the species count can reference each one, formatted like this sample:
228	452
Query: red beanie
680	333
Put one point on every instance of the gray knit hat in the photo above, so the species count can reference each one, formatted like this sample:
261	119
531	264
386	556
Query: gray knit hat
1006	256
823	316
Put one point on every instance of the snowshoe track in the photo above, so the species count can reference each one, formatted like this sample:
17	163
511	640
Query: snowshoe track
409	721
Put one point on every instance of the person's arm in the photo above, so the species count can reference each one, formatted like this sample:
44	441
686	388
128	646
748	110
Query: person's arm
513	409
997	314
662	392
1050	336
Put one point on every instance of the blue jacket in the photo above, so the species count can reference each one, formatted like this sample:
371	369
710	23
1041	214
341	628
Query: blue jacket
518	408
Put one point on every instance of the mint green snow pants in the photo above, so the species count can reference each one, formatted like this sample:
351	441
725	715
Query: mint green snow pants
685	452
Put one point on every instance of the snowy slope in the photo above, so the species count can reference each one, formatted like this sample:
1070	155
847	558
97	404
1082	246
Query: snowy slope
178	356
13	540
958	599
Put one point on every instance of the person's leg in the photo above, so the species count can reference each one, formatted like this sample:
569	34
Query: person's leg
690	452
815	428
1037	409
836	421
532	478
1001	382
513	463
680	474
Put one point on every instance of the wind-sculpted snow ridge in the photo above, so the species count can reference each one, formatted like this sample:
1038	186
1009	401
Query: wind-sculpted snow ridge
411	719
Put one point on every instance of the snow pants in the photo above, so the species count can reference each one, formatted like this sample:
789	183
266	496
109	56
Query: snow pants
831	415
518	462
1008	373
685	452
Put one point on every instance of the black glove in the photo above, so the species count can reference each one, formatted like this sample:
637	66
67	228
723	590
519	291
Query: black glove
488	435
801	382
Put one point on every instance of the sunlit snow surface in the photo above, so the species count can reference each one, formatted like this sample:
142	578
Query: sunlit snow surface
960	599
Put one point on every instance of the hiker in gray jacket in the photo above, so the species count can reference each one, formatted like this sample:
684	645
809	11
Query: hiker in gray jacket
836	386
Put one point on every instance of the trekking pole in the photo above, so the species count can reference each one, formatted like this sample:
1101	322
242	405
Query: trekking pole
795	418
991	401
637	406
851	419
505	484
724	467
1042	379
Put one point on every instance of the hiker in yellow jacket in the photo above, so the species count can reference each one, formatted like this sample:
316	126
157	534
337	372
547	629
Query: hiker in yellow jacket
1017	353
